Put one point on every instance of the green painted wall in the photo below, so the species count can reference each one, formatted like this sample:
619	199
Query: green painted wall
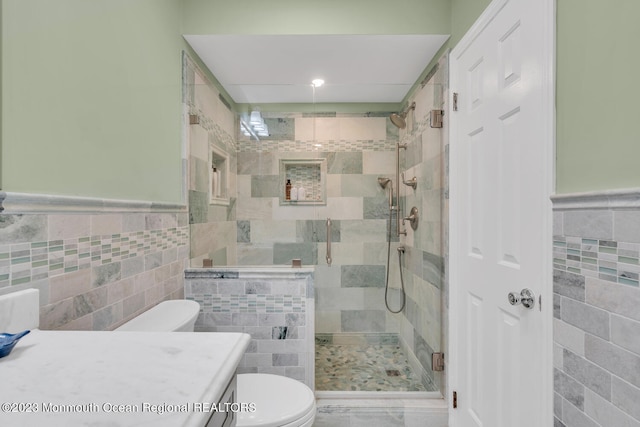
90	94
598	138
463	14
1	48
91	91
317	17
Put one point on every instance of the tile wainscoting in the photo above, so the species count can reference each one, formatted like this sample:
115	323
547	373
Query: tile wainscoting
596	315
94	270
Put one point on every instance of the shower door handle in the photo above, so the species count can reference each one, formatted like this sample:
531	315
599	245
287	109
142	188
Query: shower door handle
329	241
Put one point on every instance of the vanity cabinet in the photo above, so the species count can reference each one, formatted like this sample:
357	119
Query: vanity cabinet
224	416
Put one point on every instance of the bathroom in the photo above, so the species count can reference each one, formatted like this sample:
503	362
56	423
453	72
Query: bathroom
106	206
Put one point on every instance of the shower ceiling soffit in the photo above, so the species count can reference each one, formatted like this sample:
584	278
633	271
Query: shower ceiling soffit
262	69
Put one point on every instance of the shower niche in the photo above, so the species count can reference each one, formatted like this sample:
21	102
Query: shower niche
307	178
218	176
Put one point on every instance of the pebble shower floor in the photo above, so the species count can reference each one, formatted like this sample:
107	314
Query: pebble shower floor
364	368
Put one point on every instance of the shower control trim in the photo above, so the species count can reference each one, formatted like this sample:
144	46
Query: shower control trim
412	218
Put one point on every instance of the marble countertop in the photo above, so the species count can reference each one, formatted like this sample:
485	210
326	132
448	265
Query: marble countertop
69	378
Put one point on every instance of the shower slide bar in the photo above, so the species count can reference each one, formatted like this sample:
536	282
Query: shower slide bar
398	147
329	241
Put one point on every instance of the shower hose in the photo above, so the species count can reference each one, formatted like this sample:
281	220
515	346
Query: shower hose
400	252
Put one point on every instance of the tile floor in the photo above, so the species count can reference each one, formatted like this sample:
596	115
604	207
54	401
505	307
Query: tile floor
381	413
364	368
351	366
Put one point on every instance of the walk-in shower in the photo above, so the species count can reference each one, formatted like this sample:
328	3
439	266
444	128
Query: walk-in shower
346	163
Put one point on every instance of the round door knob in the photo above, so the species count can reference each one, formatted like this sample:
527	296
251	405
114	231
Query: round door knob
514	298
526	297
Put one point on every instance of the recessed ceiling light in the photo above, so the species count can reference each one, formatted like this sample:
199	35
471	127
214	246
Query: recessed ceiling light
317	82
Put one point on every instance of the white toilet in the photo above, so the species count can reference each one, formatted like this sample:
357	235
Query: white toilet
279	401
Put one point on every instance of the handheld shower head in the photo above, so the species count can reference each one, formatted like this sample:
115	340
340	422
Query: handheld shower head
383	181
398	119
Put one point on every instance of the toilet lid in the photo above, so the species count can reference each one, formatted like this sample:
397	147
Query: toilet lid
278	400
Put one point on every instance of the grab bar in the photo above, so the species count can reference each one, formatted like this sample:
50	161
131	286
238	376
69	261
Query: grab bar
329	241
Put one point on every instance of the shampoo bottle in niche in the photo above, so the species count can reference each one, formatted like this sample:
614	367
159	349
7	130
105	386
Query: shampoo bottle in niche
219	184
215	178
287	190
294	193
302	194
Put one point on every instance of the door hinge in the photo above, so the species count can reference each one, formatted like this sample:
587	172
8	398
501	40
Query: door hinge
455	101
437	362
455	400
540	302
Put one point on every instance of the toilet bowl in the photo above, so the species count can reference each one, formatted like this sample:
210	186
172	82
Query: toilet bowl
279	401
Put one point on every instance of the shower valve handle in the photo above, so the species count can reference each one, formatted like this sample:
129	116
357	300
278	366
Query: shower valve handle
412	218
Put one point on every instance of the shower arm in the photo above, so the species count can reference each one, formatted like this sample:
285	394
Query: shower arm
398	147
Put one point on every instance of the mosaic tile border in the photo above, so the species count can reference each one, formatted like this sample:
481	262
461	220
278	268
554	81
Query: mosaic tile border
245	145
417	131
25	262
220	137
608	260
252	303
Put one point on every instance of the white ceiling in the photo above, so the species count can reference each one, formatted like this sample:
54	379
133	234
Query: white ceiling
261	69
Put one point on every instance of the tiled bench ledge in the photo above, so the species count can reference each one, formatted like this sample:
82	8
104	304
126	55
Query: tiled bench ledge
274	305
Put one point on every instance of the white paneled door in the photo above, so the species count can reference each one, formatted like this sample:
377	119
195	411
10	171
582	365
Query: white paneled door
501	179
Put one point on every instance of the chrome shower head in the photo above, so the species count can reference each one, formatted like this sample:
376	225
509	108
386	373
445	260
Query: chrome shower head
383	181
398	119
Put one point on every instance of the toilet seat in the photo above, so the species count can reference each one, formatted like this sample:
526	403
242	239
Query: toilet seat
279	401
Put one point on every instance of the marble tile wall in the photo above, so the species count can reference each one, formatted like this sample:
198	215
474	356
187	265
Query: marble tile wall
94	272
596	317
349	293
212	225
273	305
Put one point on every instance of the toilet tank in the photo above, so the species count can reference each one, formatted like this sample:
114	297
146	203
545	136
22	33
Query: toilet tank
168	316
